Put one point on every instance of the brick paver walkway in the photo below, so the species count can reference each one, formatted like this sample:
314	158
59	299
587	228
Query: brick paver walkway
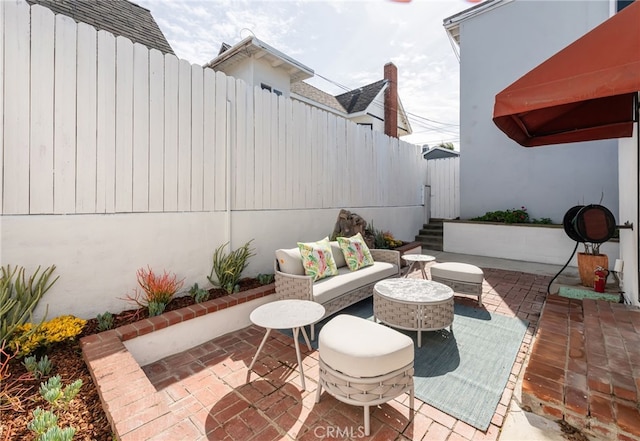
585	367
208	393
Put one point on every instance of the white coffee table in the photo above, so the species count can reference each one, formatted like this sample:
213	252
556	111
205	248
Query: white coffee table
417	259
287	314
413	304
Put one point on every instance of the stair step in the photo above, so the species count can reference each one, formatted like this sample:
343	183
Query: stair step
431	235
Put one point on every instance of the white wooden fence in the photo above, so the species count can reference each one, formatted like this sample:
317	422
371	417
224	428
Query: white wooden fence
443	176
95	124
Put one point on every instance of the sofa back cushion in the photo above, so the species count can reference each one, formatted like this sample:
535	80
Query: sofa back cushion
338	256
290	261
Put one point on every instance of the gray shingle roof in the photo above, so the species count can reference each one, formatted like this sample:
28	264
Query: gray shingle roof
358	100
120	17
313	93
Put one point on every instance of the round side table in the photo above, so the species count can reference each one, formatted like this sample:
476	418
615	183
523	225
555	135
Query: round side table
287	314
417	260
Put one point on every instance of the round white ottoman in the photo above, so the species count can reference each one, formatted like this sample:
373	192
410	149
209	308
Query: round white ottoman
364	363
461	277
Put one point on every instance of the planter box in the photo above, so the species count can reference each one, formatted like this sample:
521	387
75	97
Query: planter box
526	242
172	332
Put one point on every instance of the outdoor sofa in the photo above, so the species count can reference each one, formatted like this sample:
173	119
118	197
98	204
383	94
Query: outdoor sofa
338	291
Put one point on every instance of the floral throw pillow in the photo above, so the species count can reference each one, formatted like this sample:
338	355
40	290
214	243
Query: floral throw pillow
317	259
355	251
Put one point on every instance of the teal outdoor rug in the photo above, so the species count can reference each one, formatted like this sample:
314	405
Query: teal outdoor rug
465	373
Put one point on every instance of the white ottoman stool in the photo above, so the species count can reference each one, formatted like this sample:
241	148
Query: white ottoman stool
461	277
364	363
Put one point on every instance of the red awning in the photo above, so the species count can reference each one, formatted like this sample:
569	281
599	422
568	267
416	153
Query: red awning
584	92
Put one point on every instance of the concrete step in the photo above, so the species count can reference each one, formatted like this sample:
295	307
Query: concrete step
430	242
431	235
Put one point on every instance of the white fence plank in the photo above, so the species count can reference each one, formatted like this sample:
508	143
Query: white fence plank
281	145
106	124
41	128
2	110
156	130
16	109
124	125
220	141
197	134
86	122
209	137
262	115
184	136
140	157
170	133
64	195
239	158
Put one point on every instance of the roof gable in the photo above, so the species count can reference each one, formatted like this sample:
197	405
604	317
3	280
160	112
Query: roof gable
358	100
253	47
120	17
306	90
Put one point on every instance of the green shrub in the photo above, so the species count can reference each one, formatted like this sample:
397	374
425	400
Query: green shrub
38	368
198	294
265	279
156	308
20	295
513	216
45	422
228	268
105	321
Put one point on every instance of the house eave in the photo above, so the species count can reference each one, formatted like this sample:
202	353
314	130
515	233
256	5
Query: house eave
452	23
251	47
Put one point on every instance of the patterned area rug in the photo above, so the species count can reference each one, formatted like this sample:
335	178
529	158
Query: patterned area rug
463	373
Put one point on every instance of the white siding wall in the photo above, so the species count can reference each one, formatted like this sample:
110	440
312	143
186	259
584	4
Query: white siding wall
115	157
628	162
497	47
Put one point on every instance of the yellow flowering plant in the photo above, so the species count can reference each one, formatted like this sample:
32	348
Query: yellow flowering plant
29	337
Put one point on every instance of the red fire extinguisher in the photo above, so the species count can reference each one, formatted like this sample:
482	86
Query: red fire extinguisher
600	279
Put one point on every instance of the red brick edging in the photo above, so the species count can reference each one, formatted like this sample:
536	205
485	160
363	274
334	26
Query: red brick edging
133	407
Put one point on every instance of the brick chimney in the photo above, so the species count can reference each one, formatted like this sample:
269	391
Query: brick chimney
391	100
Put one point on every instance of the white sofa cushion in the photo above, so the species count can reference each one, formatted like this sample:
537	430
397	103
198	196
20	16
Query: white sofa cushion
328	289
338	256
362	348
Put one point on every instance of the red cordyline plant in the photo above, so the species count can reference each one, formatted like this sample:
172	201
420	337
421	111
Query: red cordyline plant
156	288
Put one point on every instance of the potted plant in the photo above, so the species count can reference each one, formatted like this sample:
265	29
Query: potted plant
589	261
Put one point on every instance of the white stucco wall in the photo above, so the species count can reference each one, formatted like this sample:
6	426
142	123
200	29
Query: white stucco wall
497	47
628	162
97	256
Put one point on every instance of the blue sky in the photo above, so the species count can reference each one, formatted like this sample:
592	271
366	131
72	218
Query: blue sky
347	42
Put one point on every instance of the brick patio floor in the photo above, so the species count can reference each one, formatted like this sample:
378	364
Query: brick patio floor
207	392
585	367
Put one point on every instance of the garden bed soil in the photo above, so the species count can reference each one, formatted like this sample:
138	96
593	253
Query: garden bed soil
85	412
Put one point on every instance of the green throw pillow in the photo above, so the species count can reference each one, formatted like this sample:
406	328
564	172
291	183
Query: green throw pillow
317	259
356	252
